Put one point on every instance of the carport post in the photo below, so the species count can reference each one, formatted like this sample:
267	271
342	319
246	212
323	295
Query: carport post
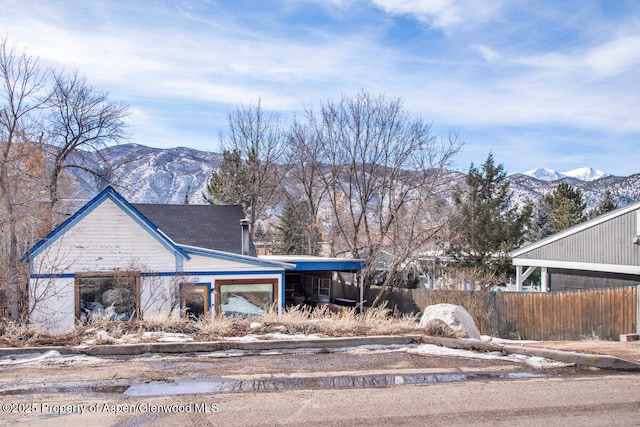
519	278
361	292
544	279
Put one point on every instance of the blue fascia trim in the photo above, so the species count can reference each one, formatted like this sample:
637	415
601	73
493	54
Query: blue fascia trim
210	253
170	274
52	276
111	194
346	265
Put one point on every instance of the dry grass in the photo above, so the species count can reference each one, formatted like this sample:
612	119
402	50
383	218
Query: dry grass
294	321
31	335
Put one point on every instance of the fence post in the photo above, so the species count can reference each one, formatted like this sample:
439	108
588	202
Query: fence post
638	309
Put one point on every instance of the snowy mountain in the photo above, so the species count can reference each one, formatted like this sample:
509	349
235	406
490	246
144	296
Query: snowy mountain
147	175
582	174
150	175
544	174
585	174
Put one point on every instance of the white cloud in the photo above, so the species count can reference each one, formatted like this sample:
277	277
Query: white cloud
443	14
440	13
487	53
606	60
615	57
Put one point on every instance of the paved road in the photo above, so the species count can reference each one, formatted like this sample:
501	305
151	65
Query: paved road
575	401
91	391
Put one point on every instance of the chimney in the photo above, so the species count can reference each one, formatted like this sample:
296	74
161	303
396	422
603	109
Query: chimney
246	237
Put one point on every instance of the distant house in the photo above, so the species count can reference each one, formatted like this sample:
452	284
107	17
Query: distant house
602	252
121	261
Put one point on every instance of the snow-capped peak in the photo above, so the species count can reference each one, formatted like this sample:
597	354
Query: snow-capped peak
585	174
545	174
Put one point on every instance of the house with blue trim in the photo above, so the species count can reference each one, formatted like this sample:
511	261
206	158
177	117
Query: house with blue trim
121	260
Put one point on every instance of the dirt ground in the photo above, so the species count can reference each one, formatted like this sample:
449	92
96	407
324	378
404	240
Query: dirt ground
112	370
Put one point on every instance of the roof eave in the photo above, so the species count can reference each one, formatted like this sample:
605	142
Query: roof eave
576	229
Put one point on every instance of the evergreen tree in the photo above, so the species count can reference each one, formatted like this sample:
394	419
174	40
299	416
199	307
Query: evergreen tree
228	185
605	205
566	206
541	221
292	237
489	225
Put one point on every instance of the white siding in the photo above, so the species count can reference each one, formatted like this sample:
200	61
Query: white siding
199	263
52	304
105	240
158	295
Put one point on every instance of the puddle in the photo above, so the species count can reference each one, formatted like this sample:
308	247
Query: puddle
337	382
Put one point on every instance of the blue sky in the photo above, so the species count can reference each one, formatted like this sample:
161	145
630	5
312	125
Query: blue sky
538	83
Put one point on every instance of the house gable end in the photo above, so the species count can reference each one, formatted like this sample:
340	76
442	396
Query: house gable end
107	194
609	239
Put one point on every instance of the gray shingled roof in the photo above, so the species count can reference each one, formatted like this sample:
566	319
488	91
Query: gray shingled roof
205	226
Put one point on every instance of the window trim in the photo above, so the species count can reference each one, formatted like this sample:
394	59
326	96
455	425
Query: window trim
207	293
258	281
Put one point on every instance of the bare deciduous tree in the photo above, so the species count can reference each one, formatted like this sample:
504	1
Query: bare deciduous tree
381	172
45	116
259	138
23	84
303	178
80	117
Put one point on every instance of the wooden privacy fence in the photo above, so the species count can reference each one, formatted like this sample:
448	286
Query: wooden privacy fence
572	315
599	313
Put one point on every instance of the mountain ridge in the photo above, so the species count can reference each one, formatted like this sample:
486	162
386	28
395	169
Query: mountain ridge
169	175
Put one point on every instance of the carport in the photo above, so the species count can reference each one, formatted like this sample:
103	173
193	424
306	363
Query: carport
321	281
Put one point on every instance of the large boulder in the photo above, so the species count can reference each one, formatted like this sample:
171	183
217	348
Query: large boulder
455	316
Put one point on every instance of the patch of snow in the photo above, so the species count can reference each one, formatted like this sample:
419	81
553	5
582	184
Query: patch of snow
583	174
16	359
377	348
534	362
102	337
255	325
166	337
273	336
